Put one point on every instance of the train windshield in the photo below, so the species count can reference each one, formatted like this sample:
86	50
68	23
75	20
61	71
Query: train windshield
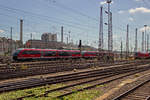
16	52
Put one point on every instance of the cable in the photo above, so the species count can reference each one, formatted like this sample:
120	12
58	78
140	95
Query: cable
75	11
38	15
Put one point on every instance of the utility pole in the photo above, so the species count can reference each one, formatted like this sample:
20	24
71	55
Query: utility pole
31	40
11	41
100	47
142	42
80	45
21	33
109	28
111	33
127	42
62	34
145	37
147	42
67	39
69	36
121	49
135	50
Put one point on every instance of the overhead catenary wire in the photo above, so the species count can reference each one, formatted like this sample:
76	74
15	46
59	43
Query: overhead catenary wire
55	20
74	11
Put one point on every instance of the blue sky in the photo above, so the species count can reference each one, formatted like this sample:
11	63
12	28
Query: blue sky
80	17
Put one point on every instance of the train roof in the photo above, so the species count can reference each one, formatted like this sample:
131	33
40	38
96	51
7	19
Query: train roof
143	52
44	49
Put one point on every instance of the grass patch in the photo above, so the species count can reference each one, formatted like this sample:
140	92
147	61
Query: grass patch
19	93
84	95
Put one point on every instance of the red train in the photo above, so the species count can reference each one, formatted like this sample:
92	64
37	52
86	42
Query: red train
140	55
47	54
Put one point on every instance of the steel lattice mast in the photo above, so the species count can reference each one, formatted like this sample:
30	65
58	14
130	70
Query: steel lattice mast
109	27
111	33
101	30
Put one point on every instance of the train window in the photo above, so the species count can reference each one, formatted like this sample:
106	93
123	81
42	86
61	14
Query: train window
31	52
49	53
76	53
16	52
36	52
64	53
91	53
25	52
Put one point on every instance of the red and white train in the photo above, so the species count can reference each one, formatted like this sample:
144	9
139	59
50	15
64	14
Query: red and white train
48	54
142	55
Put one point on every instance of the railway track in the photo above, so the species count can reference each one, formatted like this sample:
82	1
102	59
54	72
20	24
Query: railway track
32	64
40	68
139	91
63	78
97	75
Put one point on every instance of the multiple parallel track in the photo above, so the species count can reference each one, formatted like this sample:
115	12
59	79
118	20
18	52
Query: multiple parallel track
62	78
96	75
38	68
139	92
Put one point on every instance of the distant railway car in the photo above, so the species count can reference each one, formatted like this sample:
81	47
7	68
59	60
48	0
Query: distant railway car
45	54
49	54
140	55
65	54
89	54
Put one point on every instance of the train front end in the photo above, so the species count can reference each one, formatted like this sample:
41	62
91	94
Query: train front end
15	55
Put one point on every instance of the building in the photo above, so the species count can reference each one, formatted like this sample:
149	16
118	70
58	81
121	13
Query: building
49	41
49	37
44	44
7	45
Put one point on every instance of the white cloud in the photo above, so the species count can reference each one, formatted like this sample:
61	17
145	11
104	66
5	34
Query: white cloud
121	12
140	9
30	33
1	31
137	0
104	2
143	29
131	19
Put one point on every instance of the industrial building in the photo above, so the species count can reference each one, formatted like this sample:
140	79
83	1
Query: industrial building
49	37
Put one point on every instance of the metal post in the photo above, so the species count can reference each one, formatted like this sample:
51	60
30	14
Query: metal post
127	42
101	30
21	33
142	41
135	40
111	33
147	42
121	50
69	36
11	41
67	39
109	30
145	37
62	34
31	41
